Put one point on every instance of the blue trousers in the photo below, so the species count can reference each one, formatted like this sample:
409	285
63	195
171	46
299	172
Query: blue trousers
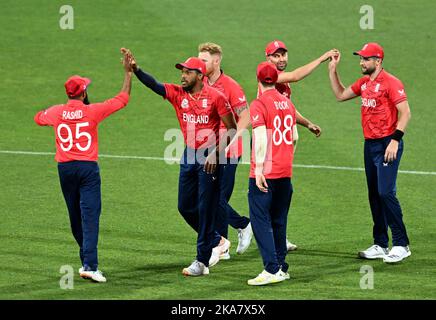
381	180
226	214
80	183
198	201
269	215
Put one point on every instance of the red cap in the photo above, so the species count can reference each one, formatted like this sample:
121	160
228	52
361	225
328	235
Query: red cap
371	49
273	46
193	63
267	72
76	85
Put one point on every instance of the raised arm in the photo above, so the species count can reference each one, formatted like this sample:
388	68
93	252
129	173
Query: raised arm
127	84
142	76
302	72
341	93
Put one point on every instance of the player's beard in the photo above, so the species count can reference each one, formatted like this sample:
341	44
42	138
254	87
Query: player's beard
282	66
86	100
188	86
369	70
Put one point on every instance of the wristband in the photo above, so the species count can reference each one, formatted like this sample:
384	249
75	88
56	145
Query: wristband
398	134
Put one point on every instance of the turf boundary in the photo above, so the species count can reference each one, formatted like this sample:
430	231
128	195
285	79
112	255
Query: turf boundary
35	153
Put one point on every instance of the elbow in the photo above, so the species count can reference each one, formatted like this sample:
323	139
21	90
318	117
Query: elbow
36	119
340	99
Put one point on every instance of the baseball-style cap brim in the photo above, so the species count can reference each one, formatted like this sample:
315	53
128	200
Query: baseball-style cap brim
86	82
362	54
366	54
193	63
180	66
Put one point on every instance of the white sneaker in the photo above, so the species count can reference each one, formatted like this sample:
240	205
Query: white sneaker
218	251
225	255
397	254
290	246
196	268
284	274
96	276
374	252
266	278
244	236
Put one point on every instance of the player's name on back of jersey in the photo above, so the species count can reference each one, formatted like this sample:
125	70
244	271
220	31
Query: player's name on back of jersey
72	115
281	105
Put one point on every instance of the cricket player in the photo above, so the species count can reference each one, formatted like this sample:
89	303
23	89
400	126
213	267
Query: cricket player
75	126
277	53
385	115
273	117
211	54
199	109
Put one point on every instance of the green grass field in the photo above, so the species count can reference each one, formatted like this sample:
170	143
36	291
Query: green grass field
144	243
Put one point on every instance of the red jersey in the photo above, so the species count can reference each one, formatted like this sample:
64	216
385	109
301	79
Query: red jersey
236	97
277	114
379	99
75	126
199	115
283	88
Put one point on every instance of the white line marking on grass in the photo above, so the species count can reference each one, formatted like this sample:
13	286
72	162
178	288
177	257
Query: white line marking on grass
33	153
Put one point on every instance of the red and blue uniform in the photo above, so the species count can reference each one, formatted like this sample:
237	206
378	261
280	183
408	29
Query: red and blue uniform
75	127
269	211
226	214
379	121
199	117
